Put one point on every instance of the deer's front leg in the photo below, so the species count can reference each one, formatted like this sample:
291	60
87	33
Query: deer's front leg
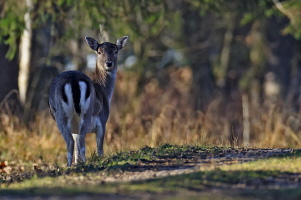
100	133
76	147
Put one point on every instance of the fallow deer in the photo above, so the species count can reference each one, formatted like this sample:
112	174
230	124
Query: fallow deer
80	105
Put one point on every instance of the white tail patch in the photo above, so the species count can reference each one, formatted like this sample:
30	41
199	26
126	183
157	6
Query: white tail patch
84	103
68	107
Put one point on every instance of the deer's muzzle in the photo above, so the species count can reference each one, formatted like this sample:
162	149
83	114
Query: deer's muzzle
109	65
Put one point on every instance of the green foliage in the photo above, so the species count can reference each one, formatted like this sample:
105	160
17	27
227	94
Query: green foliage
11	25
142	20
291	9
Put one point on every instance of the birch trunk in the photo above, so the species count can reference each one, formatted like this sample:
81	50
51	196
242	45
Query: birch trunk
25	53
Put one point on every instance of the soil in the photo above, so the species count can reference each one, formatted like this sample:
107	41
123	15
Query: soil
163	166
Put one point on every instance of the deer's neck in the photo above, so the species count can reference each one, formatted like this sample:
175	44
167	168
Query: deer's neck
104	82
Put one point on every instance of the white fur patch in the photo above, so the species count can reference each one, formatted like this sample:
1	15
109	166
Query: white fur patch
68	107
84	103
76	150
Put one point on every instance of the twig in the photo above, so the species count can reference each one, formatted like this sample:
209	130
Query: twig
7	96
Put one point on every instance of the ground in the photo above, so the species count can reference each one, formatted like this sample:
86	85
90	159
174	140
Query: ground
165	172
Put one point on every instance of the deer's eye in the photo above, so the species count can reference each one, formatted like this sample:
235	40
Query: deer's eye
98	52
115	51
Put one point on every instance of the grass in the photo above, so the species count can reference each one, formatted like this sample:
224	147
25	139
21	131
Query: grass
271	176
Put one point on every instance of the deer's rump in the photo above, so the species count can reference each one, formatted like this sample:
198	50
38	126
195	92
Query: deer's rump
70	91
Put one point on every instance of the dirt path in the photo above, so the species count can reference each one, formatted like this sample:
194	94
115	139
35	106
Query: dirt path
192	163
184	164
159	164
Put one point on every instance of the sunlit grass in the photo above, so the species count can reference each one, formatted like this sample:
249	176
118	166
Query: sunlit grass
287	164
260	174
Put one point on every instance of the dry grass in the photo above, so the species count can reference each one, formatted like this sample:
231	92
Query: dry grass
162	113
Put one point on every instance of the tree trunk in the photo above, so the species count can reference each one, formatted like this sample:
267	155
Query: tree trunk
226	49
25	54
195	32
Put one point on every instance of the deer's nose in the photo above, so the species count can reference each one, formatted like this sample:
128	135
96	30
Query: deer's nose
109	63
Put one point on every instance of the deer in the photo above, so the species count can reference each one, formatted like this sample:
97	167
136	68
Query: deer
80	105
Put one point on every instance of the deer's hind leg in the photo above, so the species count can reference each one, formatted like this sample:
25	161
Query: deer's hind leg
66	132
81	144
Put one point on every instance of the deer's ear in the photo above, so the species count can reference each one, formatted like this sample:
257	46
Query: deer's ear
121	42
92	43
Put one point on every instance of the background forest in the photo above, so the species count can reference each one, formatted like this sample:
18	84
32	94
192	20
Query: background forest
209	72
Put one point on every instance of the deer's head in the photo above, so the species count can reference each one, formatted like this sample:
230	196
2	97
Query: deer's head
107	52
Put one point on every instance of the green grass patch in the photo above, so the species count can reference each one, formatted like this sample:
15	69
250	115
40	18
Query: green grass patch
276	174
